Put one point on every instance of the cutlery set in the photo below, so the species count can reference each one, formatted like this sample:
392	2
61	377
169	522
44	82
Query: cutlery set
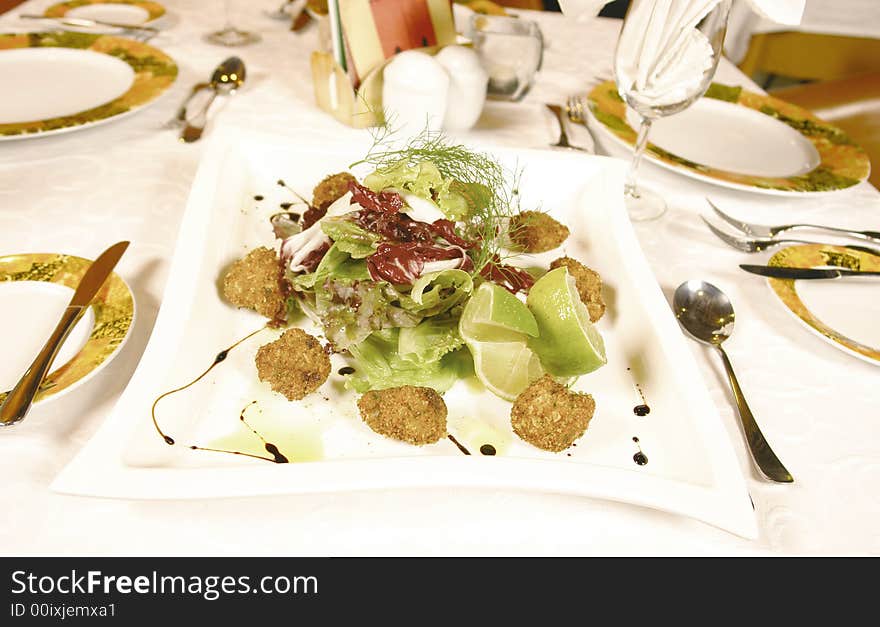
755	238
563	141
574	112
225	80
706	315
760	244
18	402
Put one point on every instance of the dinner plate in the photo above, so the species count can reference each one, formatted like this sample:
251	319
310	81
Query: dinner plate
134	12
35	288
690	464
742	140
845	311
62	81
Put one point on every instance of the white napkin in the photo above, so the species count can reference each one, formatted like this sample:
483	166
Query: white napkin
782	11
661	55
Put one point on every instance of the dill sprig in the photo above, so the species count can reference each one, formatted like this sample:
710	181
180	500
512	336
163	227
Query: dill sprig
490	189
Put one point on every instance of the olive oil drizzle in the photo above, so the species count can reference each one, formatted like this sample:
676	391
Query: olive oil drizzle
221	356
278	458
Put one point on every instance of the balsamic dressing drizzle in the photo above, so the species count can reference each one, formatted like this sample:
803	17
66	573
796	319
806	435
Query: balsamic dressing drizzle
458	444
277	457
258	197
346	370
220	450
487	449
640	458
643	409
281	183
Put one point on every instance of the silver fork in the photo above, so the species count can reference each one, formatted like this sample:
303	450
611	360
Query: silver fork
759	244
563	141
758	230
574	107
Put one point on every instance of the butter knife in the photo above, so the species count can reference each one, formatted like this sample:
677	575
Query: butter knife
803	273
88	23
17	404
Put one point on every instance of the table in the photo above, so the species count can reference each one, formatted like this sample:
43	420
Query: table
129	180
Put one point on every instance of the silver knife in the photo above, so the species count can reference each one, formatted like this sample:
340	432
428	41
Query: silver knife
88	23
803	273
17	404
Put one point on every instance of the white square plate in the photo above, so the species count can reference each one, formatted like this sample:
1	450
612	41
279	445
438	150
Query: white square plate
691	466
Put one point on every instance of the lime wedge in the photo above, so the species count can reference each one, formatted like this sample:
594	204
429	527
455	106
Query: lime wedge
493	313
496	327
568	344
505	368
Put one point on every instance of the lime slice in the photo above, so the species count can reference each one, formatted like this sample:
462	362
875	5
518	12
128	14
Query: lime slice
505	368
496	327
493	313
568	344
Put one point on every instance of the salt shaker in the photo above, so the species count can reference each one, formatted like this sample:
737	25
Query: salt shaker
414	93
467	86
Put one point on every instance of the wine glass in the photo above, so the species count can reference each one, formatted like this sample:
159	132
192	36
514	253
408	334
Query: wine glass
666	56
230	35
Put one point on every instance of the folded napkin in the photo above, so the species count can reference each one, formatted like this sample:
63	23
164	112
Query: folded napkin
661	55
781	11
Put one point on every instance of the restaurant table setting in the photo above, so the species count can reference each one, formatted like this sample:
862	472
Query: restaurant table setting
699	199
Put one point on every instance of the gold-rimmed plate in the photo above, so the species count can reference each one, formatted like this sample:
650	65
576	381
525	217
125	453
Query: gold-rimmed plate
836	310
135	12
742	140
34	290
63	81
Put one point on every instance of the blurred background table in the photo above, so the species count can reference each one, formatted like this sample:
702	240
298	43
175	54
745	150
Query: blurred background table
858	19
128	179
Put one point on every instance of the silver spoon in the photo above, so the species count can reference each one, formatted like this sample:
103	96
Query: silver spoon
706	314
227	77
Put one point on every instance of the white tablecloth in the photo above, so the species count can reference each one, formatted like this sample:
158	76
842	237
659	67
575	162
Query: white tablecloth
129	180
